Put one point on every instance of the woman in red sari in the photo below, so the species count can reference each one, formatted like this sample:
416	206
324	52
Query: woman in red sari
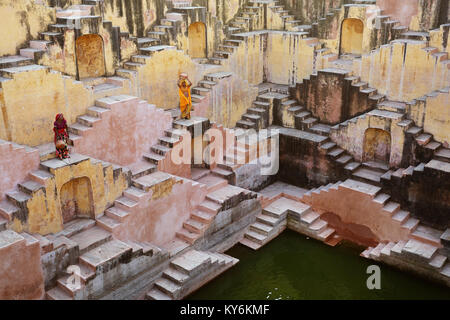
61	136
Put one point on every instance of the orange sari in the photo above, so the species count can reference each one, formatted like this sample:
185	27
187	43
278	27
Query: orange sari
185	102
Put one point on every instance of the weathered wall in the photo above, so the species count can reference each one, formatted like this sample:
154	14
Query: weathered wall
225	10
426	194
437	116
302	162
42	213
289	58
160	74
440	38
229	100
136	16
90	56
125	132
15	164
20	267
24	20
247	61
355	205
74	56
330	33
32	99
403	70
417	15
273	56
229	226
402	11
432	113
351	136
160	213
311	10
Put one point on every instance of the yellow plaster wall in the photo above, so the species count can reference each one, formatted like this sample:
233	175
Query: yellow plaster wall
197	40
44	208
439	38
274	20
247	61
22	20
230	99
118	17
351	137
403	70
289	57
64	59
352	36
32	99
437	117
3	124
128	48
157	79
90	56
366	15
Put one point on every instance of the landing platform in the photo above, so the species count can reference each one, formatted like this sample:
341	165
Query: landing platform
295	133
280	187
56	163
281	88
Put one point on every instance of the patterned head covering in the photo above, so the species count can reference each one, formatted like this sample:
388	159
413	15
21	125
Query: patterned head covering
60	122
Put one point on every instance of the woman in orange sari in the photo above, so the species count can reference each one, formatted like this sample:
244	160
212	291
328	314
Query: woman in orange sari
184	90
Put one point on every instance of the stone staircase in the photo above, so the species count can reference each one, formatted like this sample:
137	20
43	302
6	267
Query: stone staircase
259	116
99	253
427	148
86	123
380	202
65	19
205	86
124	205
274	219
15	206
161	37
74	17
248	146
159	152
414	255
220	197
249	18
189	272
434	68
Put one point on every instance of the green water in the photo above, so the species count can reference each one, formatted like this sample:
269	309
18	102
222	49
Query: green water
294	267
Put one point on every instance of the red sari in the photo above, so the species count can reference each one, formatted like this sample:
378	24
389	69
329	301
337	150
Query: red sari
61	135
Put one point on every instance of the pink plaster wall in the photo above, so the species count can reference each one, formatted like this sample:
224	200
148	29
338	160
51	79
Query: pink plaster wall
402	11
125	132
21	272
180	170
157	221
355	207
15	165
201	109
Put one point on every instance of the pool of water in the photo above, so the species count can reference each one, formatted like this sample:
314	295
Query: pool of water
295	267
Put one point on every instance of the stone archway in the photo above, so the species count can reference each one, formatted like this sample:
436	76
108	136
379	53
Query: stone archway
351	36
76	199
90	56
377	145
197	40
